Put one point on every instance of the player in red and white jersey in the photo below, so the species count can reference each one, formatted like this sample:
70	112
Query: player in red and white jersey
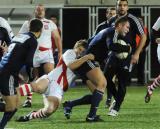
44	51
6	35
57	81
4	24
44	54
156	83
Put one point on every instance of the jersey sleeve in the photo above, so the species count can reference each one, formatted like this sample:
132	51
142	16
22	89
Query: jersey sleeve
32	46
156	25
69	56
25	27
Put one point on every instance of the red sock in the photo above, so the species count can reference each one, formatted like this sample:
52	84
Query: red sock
25	89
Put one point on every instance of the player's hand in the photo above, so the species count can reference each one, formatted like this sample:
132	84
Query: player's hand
59	55
134	58
90	57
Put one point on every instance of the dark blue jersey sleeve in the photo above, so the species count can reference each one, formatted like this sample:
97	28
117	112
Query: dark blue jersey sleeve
32	45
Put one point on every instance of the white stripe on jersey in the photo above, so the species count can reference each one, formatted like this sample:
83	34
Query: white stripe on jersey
140	28
11	85
156	25
91	64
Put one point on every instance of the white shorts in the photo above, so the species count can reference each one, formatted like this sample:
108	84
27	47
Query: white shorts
42	57
54	89
158	52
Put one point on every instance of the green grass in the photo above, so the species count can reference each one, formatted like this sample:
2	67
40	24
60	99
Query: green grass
134	113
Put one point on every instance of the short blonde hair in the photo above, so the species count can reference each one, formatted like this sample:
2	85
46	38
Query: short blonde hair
81	43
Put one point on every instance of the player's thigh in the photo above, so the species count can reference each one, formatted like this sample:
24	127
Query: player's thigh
41	84
97	77
54	103
54	90
48	67
11	102
9	83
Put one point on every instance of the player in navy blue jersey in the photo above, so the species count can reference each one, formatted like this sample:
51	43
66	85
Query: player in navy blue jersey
119	67
99	46
19	53
110	12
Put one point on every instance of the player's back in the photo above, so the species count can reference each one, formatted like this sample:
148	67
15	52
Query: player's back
45	38
20	52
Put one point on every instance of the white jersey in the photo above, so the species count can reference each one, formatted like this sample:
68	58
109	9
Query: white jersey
156	25
4	24
62	74
45	39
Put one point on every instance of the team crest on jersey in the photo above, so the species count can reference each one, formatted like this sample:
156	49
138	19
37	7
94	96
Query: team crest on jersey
46	27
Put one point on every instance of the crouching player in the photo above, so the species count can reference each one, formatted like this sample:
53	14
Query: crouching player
57	81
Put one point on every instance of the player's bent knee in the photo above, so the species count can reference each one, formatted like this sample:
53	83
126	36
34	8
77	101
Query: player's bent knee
51	109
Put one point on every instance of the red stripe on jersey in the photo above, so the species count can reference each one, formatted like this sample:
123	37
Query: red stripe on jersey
63	74
43	48
46	21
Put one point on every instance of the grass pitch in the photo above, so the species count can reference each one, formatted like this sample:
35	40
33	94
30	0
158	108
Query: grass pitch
134	113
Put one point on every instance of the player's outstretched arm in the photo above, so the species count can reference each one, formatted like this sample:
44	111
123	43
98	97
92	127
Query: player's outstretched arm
77	63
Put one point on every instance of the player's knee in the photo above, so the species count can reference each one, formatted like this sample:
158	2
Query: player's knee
102	83
10	108
51	108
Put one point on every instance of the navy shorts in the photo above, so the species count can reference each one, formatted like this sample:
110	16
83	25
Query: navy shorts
85	68
8	84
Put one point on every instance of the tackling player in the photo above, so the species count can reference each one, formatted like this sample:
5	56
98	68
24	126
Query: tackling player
57	81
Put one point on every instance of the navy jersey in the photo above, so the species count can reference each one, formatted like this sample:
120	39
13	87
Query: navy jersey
101	26
105	41
135	28
20	52
98	46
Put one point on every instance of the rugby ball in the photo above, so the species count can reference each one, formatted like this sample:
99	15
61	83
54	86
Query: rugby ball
122	55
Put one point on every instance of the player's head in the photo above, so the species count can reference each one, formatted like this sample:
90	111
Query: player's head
80	46
54	19
110	12
122	7
122	26
35	27
39	11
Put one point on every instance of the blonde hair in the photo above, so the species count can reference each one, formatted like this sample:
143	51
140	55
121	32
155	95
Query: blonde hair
81	43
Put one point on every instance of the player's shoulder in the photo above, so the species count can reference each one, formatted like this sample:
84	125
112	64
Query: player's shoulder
132	17
45	20
3	22
70	52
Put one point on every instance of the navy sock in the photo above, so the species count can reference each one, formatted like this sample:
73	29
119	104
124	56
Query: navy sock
6	117
81	101
96	98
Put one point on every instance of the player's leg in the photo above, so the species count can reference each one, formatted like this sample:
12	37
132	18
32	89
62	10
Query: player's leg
122	82
86	99
109	72
54	96
39	86
53	104
10	97
32	74
151	88
97	78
